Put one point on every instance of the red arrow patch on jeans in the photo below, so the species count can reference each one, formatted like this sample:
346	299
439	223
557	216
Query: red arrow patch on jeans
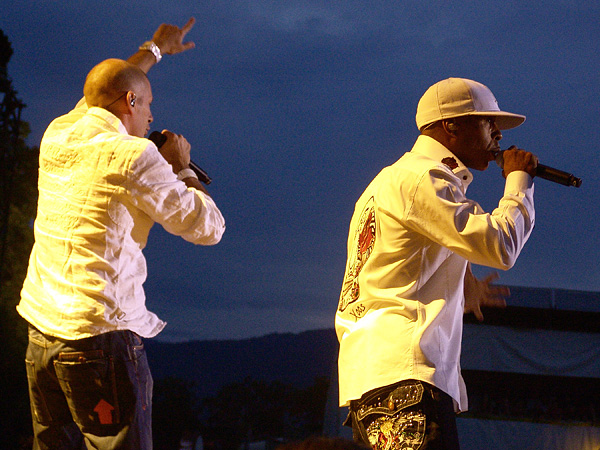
104	410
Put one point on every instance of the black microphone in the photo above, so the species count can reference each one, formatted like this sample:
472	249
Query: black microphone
159	139
547	173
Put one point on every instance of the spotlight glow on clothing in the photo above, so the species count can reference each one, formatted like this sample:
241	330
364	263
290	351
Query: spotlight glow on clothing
100	192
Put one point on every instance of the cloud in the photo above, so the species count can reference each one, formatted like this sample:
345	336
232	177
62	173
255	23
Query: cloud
302	17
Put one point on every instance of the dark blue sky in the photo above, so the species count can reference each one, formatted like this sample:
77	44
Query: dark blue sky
294	106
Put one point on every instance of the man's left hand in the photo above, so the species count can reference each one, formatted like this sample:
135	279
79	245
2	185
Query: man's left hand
480	293
169	38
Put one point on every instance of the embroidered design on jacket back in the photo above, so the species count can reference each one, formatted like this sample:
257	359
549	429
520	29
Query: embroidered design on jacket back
364	241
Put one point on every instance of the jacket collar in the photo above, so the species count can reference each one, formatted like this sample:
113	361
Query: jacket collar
432	149
108	117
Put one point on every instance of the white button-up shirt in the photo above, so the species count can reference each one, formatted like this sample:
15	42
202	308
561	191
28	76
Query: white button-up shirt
100	192
412	233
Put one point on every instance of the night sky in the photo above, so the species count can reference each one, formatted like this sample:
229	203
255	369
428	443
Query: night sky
292	107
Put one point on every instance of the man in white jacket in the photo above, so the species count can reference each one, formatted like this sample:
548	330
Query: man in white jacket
102	186
412	238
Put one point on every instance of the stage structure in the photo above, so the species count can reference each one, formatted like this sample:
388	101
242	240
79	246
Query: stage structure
532	372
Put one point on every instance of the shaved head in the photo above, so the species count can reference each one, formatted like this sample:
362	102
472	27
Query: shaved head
111	79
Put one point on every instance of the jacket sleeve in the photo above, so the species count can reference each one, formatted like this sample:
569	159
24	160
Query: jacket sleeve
440	210
182	211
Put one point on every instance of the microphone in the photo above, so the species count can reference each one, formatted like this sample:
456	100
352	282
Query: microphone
547	173
159	139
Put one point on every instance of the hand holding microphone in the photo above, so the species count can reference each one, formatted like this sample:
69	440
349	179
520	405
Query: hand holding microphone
545	172
159	139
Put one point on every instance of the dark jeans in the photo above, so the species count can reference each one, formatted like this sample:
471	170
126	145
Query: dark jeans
407	415
96	391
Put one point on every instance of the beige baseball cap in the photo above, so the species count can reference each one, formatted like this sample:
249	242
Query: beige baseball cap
456	97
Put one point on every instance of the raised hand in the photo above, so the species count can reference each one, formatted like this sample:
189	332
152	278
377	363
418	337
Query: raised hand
169	38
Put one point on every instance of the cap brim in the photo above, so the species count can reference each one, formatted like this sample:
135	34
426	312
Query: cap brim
504	120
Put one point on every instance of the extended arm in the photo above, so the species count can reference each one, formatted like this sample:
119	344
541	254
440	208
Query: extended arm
169	40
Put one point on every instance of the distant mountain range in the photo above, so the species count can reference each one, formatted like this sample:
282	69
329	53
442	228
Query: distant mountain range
296	359
299	358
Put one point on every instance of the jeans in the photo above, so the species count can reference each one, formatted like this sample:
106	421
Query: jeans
95	391
410	415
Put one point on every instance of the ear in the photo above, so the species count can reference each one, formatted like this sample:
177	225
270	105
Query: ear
131	99
451	130
450	126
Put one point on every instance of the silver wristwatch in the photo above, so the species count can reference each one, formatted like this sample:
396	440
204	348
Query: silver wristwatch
152	47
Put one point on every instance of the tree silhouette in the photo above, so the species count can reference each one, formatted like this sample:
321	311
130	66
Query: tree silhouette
174	412
256	410
18	196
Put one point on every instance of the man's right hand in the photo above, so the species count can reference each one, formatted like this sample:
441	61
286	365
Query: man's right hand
176	151
519	159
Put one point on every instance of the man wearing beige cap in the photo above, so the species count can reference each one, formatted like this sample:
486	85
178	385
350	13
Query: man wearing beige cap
408	280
